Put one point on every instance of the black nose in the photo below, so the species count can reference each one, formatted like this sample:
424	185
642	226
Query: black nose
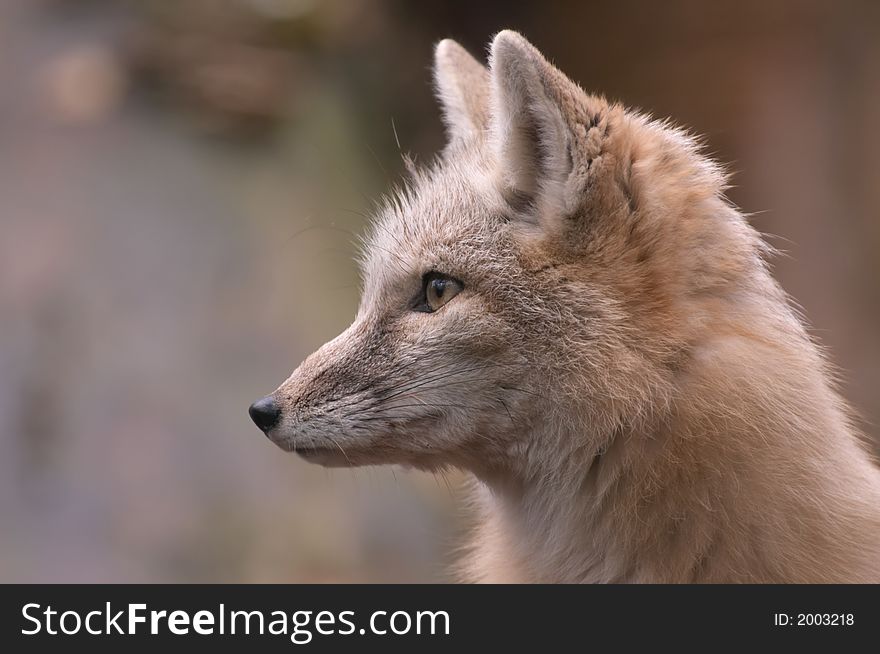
265	413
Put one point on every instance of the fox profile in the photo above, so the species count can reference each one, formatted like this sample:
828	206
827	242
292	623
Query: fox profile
566	306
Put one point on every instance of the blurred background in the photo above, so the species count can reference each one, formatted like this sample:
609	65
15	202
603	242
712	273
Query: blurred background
180	186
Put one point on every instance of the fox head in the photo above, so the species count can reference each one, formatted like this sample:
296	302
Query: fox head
543	278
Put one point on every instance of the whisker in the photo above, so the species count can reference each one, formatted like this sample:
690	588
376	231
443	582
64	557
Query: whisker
520	390
441	374
422	382
504	404
431	405
308	228
370	385
336	443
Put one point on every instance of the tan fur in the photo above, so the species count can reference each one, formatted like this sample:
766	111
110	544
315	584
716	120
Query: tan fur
632	391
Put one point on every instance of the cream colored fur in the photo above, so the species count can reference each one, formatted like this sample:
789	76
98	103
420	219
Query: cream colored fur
632	391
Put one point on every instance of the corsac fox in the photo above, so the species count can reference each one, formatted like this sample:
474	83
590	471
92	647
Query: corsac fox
566	306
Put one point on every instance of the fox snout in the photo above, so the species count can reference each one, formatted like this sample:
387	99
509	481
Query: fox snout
315	411
422	391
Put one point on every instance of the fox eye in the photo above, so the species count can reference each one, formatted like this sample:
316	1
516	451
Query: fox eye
437	290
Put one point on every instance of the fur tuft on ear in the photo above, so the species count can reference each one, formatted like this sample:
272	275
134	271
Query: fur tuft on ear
462	86
529	134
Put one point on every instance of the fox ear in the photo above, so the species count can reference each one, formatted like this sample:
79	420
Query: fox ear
530	135
462	86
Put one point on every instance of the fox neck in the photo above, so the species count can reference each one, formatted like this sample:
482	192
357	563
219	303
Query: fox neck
682	499
568	517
